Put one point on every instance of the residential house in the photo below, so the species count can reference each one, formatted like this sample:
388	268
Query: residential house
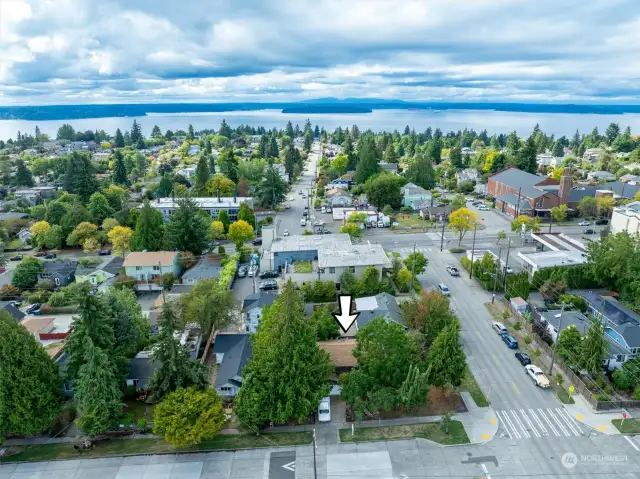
391	168
252	308
630	179
557	321
145	267
338	197
595	176
10	308
206	268
412	192
467	175
213	205
102	275
626	218
436	213
545	159
50	332
187	171
25	235
193	150
381	305
340	353
61	272
36	194
142	367
591	154
518	192
466	151
232	352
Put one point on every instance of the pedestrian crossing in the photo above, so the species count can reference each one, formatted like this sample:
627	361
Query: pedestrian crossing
404	252
531	422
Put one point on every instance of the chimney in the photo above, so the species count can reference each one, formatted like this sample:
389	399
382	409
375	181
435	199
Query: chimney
234	195
218	193
565	186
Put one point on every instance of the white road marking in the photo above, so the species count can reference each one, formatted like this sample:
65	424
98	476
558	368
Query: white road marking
566	433
567	422
573	420
517	419
528	421
540	425
633	444
546	419
513	428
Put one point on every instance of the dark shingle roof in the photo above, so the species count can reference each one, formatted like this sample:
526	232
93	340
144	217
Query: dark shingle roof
14	312
512	200
522	180
142	369
258	300
387	308
204	269
114	266
236	348
60	266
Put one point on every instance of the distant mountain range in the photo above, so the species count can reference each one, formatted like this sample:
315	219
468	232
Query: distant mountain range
315	106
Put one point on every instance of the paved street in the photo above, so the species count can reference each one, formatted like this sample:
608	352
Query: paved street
541	458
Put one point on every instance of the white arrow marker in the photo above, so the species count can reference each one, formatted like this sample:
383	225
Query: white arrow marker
290	467
345	318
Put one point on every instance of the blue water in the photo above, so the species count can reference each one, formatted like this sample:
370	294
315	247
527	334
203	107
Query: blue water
447	120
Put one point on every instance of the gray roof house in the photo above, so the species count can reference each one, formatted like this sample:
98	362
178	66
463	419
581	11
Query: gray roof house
233	352
12	310
569	318
252	308
141	370
391	168
382	304
205	269
61	272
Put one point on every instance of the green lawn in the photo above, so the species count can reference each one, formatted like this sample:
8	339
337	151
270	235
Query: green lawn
631	425
470	385
303	266
432	431
412	221
149	446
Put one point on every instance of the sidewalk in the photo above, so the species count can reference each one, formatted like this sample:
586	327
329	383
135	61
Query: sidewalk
584	413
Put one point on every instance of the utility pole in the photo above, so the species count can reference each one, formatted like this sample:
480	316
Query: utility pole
473	247
315	445
555	343
495	281
442	235
413	268
550	221
518	206
506	264
164	296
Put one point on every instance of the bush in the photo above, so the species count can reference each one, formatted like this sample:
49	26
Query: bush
457	250
186	260
9	292
517	326
222	251
527	339
403	280
622	380
39	296
636	393
45	285
58	299
123	281
229	271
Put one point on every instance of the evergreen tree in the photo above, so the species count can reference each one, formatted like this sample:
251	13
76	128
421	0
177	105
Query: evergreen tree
80	176
99	208
367	163
446	357
119	169
30	389
165	187
289	130
187	230
55	212
136	132
247	214
347	150
308	141
420	172
224	130
415	388
149	231
455	155
229	164
272	189
223	217
274	152
285	358
155	132
289	161
23	175
97	390
202	175
316	132
130	326
612	132
190	133
77	214
526	157
390	154
594	348
118	140
558	150
176	369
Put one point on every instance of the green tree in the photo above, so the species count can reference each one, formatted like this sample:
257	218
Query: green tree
367	163
417	261
455	156
594	348
77	214
287	364
518	285
615	263
588	206
99	207
458	202
290	161
187	230
324	323
66	132
272	189
149	231
130	326
228	164
569	345
415	388
176	369
240	232
247	214
403	280
216	230
25	275
348	283
340	163
208	304
30	388
446	359
118	139
223	217
55	211
136	132
80	177
120	176
116	196
97	391
220	184
54	238
352	229
390	154
526	156
428	313
165	186
81	233
202	175
420	171
385	189
189	416
23	175
559	213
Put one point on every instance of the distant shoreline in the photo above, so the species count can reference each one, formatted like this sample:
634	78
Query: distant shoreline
321	106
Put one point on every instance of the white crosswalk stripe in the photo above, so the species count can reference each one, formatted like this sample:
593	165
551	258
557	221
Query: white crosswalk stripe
404	252
528	423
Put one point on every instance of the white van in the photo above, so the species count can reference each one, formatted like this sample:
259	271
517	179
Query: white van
324	410
303	222
499	328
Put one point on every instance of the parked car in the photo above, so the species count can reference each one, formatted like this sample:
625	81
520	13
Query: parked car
443	289
510	341
17	257
50	256
32	308
523	358
269	274
483	207
584	223
285	233
257	242
38	254
242	272
453	271
269	285
499	328
589	231
253	271
325	231
105	252
536	374
602	221
324	410
508	270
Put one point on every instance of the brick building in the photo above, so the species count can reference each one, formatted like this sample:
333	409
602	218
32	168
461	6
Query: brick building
520	193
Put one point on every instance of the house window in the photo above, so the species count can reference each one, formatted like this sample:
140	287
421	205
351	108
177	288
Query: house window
225	389
156	268
619	358
332	269
57	281
138	268
352	269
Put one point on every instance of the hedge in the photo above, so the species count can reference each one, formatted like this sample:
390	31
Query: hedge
576	277
228	273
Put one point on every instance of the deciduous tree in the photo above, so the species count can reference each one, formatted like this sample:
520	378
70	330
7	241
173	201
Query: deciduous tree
39	231
428	313
81	233
325	324
461	221
385	189
594	348
220	183
208	304
416	262
99	207
239	232
420	171
216	230
25	275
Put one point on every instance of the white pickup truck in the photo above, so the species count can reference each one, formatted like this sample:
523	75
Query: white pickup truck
536	374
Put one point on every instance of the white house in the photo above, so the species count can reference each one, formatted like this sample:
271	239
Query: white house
468	174
145	267
252	308
212	205
626	218
600	175
545	159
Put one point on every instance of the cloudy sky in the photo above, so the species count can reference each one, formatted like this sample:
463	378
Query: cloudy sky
98	51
